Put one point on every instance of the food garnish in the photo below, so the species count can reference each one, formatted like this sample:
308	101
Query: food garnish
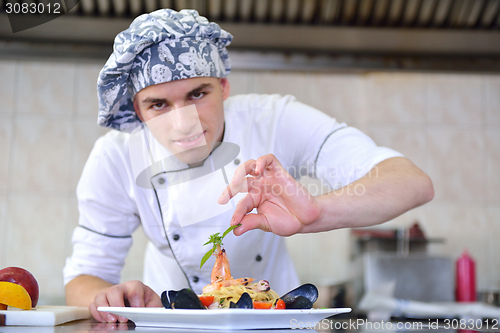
262	305
216	240
280	304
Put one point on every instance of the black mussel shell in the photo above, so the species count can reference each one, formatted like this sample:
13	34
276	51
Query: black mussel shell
298	302
245	302
167	298
302	297
182	299
164	300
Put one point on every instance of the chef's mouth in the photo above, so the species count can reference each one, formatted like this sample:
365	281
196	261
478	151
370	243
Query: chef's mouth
191	140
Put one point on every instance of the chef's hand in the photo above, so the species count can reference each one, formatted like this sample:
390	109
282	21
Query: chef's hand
283	205
130	293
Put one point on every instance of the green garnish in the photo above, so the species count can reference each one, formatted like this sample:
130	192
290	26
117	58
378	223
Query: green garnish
215	239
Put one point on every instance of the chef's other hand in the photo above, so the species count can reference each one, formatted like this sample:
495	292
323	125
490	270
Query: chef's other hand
284	206
131	293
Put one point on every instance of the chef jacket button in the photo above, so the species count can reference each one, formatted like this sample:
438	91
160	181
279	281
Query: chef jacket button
237	161
258	257
176	237
196	279
161	181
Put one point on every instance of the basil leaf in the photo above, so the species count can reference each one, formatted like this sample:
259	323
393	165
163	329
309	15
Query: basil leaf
231	228
205	257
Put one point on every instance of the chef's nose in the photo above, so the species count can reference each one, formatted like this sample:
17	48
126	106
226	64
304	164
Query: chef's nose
185	118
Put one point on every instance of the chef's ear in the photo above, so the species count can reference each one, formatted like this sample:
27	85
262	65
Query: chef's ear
226	88
137	110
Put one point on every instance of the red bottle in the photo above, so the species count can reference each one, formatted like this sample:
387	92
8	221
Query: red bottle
465	279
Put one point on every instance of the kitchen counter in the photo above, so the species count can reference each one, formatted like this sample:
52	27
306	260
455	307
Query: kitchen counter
341	326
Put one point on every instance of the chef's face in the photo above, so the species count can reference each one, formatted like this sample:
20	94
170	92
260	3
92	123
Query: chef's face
186	116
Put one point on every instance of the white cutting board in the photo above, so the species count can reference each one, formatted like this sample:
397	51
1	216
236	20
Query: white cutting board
43	316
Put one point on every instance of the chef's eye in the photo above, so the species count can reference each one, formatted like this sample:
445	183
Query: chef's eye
197	95
158	106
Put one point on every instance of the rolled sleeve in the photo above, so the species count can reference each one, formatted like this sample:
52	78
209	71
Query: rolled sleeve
97	255
346	155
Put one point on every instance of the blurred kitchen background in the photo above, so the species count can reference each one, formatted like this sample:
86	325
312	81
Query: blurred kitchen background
420	76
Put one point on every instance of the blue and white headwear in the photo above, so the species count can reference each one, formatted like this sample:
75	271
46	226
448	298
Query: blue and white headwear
159	47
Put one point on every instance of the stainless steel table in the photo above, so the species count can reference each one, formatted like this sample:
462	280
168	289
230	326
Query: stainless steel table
90	325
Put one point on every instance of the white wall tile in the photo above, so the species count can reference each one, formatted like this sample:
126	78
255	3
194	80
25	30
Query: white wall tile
36	234
241	82
7	87
40	158
51	287
330	251
493	165
340	96
85	134
295	84
493	225
5	152
396	97
457	164
3	228
411	142
457	99
318	258
464	227
86	102
299	247
50	87
493	100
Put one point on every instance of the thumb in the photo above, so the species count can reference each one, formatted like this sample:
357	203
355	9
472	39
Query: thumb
251	222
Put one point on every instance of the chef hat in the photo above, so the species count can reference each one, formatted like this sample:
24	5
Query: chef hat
159	47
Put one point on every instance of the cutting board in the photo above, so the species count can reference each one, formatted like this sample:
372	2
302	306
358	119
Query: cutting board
43	316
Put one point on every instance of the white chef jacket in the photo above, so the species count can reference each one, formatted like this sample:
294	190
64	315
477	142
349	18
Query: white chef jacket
112	205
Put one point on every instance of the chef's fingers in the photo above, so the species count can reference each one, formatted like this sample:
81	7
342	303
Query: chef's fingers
99	316
152	299
116	296
135	297
101	299
232	190
263	162
244	206
246	168
252	221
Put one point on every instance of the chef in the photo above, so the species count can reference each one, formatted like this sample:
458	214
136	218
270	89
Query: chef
185	160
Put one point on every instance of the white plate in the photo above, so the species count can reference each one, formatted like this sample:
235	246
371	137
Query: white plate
223	318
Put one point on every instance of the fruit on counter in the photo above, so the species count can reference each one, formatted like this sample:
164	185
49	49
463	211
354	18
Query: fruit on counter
14	295
21	277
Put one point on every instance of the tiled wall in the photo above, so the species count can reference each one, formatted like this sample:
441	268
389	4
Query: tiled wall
448	124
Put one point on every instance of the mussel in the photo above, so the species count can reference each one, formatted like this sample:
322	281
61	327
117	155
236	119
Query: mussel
302	297
181	299
245	302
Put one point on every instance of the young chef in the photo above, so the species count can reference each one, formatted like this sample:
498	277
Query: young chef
179	139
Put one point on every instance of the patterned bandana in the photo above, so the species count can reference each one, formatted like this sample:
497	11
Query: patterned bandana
159	47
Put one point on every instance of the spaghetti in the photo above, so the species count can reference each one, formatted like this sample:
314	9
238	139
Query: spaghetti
225	295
